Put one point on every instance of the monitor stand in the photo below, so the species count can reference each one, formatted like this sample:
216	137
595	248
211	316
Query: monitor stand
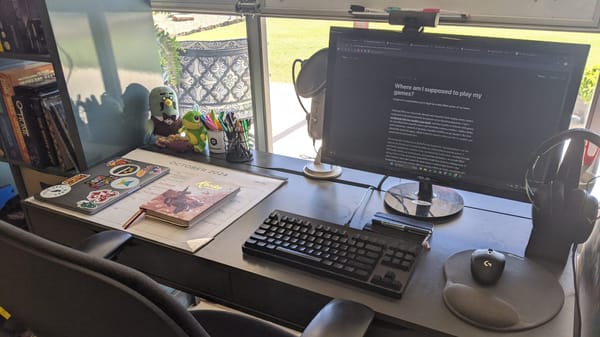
424	200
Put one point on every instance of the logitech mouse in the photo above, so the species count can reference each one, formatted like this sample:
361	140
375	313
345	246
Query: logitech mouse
487	266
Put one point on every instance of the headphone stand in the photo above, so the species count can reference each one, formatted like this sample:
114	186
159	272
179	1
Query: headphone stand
318	170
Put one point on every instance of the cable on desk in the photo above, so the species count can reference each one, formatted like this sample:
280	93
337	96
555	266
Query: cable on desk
380	185
364	198
368	192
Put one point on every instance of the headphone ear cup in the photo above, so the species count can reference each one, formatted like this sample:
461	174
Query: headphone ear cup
586	208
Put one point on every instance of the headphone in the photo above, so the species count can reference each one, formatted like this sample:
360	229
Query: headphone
563	213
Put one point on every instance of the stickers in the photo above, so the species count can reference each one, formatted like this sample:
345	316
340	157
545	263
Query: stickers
150	169
55	191
75	179
117	162
101	196
125	183
99	181
124	170
86	204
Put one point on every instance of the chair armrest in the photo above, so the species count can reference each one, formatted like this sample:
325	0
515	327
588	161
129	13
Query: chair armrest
104	244
340	318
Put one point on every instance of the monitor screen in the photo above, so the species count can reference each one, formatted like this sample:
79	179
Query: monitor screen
455	111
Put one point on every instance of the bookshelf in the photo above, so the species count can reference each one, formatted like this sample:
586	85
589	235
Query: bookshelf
105	60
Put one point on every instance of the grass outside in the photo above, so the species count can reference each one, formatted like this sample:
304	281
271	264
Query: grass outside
290	39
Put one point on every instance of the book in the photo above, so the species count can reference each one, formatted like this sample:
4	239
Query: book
21	27
188	206
55	118
40	120
31	121
22	73
16	28
11	148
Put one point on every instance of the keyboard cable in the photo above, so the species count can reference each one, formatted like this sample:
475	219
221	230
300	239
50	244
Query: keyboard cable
365	198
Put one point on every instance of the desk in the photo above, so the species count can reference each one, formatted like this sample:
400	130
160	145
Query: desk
220	272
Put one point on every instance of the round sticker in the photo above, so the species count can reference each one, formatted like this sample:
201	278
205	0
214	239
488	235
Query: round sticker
125	183
55	191
124	170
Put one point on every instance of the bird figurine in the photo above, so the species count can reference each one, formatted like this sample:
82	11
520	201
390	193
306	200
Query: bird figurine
164	114
194	130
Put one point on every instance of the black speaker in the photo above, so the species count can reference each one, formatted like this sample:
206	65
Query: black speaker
563	211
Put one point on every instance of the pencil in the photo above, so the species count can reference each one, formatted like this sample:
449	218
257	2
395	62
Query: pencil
132	219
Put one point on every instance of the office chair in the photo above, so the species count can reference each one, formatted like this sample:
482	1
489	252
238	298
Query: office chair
57	291
587	277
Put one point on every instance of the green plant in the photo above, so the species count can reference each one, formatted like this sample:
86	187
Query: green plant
170	61
588	84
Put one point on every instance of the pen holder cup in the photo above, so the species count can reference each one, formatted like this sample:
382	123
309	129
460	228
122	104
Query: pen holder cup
217	143
238	147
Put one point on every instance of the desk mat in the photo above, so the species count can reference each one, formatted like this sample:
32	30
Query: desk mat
526	295
182	172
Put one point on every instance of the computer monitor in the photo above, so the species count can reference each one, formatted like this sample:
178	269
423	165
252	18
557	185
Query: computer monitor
446	111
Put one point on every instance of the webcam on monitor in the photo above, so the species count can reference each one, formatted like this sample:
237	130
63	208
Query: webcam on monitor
413	20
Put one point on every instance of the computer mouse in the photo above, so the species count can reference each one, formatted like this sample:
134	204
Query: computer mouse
487	266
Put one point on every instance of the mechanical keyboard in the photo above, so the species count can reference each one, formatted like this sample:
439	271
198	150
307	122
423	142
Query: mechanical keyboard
366	259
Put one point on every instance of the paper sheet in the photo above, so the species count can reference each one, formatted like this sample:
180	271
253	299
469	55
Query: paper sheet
253	189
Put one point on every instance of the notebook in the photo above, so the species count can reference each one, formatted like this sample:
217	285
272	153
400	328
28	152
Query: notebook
102	185
188	206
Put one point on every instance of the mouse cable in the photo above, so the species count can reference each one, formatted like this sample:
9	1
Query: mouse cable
577	323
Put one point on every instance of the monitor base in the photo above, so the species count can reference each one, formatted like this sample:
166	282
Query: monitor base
322	171
424	200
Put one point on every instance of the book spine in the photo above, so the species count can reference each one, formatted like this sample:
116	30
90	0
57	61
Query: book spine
5	45
35	30
38	155
11	148
14	121
61	145
14	27
44	131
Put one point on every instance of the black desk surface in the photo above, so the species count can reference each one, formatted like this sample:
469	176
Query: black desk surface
221	272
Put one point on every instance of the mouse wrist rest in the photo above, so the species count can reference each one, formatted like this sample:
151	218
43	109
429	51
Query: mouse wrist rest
526	295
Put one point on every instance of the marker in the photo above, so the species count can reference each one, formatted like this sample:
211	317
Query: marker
363	9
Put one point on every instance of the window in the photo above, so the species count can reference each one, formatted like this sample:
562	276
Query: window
289	39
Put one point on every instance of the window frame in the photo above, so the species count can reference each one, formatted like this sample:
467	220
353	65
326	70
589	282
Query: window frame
258	53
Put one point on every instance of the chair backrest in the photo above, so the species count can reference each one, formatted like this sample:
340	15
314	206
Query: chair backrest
58	291
588	278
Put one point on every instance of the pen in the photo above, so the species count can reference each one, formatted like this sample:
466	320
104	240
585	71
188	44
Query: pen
445	15
132	219
402	227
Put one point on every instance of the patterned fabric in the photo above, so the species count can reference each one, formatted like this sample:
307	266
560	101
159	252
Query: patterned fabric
215	76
